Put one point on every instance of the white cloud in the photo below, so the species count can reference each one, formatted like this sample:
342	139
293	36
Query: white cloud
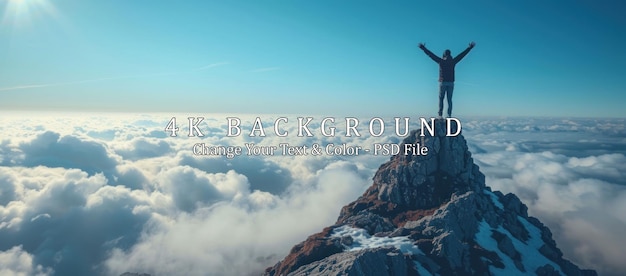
142	148
66	218
241	237
79	197
191	188
16	261
52	150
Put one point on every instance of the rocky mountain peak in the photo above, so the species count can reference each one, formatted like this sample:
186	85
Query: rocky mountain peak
430	215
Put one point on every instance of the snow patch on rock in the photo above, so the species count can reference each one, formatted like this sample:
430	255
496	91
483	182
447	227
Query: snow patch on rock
494	199
531	258
360	240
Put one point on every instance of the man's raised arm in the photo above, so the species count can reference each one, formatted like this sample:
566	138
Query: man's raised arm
429	53
462	54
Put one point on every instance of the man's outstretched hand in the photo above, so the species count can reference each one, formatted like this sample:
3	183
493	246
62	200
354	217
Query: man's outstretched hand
422	46
472	44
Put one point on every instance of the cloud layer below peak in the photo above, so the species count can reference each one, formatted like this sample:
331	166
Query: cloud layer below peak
78	198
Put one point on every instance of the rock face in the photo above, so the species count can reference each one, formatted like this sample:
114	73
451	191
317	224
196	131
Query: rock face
430	215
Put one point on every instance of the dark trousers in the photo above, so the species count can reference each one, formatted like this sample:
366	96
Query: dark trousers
445	90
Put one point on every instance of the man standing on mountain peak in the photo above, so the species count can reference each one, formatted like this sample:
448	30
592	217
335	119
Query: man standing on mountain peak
446	73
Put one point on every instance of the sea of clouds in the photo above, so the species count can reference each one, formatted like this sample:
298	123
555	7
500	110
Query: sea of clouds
98	193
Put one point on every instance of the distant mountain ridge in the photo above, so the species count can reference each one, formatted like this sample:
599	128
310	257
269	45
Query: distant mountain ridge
430	215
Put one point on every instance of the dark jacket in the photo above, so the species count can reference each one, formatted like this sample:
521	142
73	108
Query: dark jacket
446	66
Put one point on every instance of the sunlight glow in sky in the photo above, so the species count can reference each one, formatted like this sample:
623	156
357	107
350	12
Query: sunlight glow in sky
18	12
317	57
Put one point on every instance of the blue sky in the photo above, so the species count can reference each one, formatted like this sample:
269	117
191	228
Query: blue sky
533	58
